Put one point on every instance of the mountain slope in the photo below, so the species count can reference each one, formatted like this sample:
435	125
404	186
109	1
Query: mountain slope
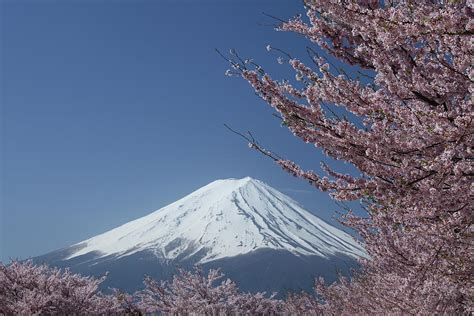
250	230
224	219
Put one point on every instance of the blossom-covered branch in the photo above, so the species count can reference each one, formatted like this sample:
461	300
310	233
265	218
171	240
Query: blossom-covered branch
414	150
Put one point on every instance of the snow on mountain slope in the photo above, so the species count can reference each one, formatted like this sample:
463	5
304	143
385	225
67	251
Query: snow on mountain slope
223	219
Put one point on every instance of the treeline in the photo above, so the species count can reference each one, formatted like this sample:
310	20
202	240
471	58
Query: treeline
29	289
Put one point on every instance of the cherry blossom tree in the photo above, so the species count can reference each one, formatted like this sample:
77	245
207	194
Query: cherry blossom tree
29	289
192	292
407	88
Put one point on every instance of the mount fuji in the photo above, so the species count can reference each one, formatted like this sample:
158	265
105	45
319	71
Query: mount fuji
259	237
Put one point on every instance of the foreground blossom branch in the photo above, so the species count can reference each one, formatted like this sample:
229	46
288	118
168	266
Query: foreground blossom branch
414	148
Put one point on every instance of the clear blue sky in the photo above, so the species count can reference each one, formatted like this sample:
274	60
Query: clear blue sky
113	109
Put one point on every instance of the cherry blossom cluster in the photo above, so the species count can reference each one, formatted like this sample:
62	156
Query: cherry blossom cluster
410	134
192	292
28	289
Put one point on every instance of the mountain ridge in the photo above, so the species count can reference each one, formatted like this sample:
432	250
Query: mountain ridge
225	218
257	236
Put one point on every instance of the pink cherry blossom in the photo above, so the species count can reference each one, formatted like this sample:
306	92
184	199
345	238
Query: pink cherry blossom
412	142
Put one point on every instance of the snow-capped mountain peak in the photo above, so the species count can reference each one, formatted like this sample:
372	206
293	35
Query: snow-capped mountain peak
225	218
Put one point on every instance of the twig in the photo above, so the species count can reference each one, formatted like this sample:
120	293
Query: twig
254	144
